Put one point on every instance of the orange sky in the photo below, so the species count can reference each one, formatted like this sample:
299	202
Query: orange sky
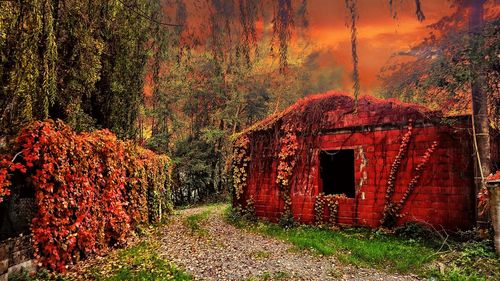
379	35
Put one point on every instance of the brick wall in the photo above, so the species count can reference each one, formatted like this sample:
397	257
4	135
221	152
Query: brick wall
444	195
16	254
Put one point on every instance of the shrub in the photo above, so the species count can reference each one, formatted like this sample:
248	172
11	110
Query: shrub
91	189
418	231
287	220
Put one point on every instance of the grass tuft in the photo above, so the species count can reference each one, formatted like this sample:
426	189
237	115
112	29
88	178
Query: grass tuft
194	222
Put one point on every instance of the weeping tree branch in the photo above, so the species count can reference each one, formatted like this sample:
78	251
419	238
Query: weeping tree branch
283	24
419	12
353	11
142	14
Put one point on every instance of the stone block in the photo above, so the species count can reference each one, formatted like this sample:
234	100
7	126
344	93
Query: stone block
21	243
20	257
4	251
28	266
4	266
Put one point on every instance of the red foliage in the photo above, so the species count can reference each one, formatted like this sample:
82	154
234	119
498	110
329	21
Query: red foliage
494	177
90	189
305	111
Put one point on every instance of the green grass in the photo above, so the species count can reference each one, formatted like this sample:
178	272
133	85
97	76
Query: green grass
194	222
396	253
359	247
139	263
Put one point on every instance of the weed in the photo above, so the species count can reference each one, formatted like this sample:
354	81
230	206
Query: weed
42	275
336	273
261	254
287	220
194	222
474	260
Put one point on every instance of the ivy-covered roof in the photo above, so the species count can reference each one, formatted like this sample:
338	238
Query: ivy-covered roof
337	110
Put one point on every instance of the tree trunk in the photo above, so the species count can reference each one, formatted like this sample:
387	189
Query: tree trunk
479	103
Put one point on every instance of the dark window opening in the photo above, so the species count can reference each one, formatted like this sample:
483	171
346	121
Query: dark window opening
337	171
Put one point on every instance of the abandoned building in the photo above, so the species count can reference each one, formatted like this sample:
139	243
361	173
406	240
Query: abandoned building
324	160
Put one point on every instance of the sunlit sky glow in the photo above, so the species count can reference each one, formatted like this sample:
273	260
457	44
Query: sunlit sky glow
379	34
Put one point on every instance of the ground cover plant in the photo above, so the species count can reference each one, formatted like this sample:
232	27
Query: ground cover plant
410	249
140	262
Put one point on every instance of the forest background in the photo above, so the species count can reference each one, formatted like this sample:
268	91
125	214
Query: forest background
182	76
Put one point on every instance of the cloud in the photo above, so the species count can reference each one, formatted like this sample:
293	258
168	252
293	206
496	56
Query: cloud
379	35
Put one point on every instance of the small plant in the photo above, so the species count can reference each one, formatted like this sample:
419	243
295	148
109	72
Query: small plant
248	213
474	260
239	216
287	220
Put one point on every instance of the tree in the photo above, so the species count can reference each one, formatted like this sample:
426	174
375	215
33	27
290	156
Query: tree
59	60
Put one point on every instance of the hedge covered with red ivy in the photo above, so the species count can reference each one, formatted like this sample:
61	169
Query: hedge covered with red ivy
91	189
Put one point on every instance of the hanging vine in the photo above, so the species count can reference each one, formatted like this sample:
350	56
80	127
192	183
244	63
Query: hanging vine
351	6
91	190
282	27
418	11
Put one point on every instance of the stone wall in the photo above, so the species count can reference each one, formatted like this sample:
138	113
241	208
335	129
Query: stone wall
18	209
16	254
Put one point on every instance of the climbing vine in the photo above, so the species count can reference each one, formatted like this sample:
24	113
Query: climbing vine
286	164
392	209
403	149
240	165
331	201
91	189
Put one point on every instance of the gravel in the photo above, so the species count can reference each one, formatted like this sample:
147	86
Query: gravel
223	252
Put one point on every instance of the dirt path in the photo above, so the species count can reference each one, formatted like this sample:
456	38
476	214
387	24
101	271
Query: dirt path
220	251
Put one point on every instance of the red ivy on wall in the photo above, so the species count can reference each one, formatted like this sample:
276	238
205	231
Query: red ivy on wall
90	189
392	209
